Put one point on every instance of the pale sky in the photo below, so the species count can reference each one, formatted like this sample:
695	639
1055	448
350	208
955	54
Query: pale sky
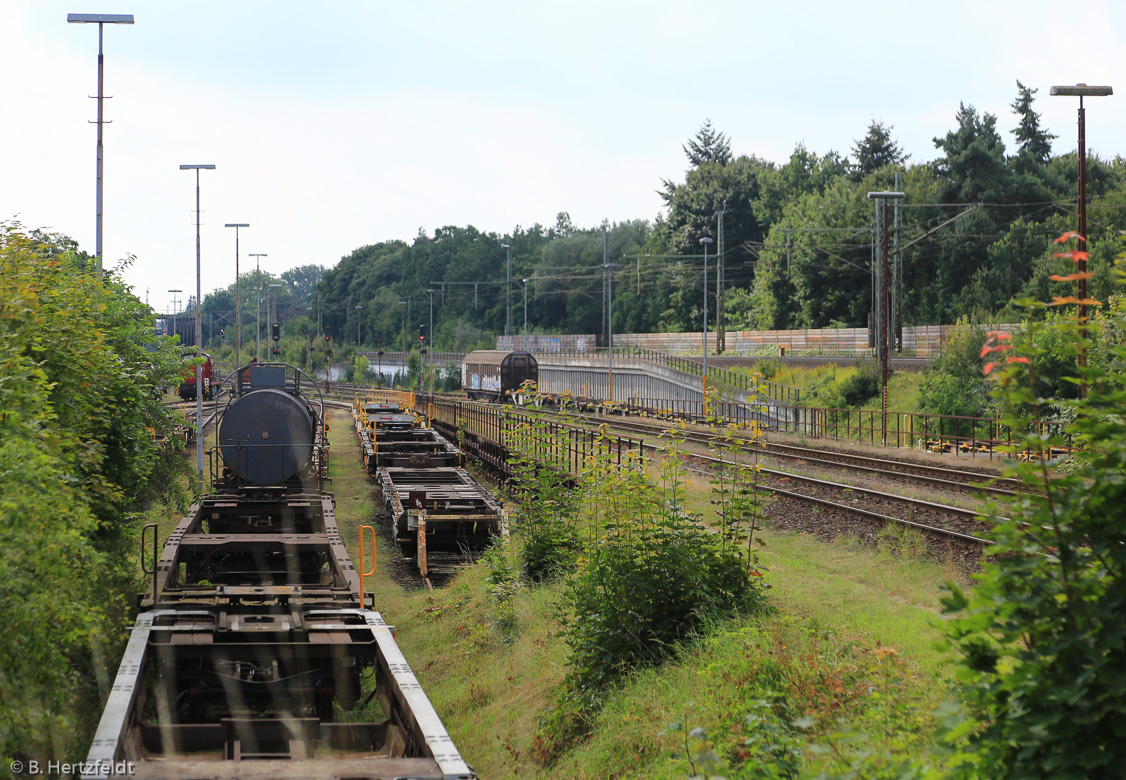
340	124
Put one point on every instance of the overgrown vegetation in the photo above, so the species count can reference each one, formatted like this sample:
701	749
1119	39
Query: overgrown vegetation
547	512
643	576
84	440
1041	642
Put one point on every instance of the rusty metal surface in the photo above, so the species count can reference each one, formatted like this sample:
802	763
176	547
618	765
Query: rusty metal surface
253	640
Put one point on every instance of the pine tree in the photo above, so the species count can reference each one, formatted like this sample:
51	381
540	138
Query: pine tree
1034	142
876	150
709	145
973	166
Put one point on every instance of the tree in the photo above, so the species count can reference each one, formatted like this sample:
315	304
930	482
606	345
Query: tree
1033	141
302	281
973	165
563	225
81	432
875	150
693	205
709	145
802	174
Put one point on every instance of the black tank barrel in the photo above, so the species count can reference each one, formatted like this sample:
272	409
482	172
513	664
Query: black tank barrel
266	437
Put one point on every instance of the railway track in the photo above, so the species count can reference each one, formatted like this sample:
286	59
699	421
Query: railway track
952	527
948	524
889	468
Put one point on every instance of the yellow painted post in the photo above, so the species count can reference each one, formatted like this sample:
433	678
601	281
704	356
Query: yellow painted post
363	604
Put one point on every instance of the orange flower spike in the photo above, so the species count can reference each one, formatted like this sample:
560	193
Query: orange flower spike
1067	237
988	367
1017	360
1058	301
1072	277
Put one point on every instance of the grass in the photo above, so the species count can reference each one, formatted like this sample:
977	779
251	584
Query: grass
847	623
852	631
903	386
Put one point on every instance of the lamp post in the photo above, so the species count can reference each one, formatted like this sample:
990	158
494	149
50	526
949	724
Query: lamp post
175	301
258	303
610	324
359	308
100	20
272	304
883	343
1081	91
238	297
198	329
406	311
525	282
508	291
706	241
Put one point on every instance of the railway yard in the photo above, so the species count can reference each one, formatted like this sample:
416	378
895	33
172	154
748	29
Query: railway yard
279	558
859	538
853	491
823	539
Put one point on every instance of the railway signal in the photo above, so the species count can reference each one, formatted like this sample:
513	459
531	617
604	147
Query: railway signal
422	339
379	354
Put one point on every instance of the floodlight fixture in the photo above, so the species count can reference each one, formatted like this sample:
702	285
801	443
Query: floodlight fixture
1082	90
99	19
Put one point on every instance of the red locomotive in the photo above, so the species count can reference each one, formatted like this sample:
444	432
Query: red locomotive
188	377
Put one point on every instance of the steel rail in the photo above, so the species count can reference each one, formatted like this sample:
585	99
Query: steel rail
857	510
771	450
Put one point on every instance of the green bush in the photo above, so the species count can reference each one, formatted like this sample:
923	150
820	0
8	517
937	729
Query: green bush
649	579
1041	641
857	389
845	389
546	506
81	373
953	382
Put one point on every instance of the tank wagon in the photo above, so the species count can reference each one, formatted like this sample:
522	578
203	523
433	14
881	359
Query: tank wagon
496	375
255	632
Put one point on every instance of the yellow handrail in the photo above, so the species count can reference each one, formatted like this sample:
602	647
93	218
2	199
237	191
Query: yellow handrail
363	600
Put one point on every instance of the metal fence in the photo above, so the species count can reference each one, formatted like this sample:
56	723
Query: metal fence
972	436
489	432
